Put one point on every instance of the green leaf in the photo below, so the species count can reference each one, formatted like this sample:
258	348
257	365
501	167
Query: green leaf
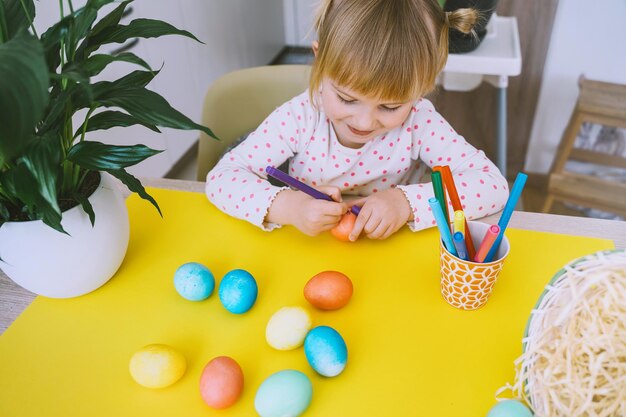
43	159
51	40
15	17
22	185
97	156
108	119
75	97
150	107
96	63
86	205
135	186
133	80
138	28
84	19
24	87
112	19
71	74
4	213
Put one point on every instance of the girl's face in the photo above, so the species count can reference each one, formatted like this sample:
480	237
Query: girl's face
358	119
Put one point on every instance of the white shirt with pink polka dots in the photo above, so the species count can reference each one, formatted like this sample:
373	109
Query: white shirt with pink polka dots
402	158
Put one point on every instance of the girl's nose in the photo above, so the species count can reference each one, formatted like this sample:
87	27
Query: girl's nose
364	121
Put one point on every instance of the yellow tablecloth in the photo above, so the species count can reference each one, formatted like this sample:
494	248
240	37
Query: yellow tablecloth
410	353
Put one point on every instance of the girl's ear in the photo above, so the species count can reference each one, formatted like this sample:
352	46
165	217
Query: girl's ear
315	46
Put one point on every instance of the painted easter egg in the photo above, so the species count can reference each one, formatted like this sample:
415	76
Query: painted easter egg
328	290
286	393
157	366
194	281
343	229
221	382
326	351
509	408
238	291
287	328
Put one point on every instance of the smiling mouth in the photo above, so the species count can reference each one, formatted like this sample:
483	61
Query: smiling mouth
360	132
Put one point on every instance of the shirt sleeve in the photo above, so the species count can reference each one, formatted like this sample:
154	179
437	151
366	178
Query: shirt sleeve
238	184
482	189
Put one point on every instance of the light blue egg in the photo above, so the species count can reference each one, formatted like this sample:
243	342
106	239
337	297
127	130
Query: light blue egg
238	291
194	281
509	408
326	351
286	393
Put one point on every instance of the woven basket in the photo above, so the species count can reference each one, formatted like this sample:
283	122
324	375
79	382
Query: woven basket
579	282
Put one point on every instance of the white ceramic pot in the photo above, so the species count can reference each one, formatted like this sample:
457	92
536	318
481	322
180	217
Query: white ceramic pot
56	265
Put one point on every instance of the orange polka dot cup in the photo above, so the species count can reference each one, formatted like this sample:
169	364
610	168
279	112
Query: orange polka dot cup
467	284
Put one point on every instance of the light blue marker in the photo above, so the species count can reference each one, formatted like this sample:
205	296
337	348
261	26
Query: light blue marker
459	244
442	224
516	192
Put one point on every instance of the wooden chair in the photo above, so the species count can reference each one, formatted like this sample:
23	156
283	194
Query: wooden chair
600	103
236	104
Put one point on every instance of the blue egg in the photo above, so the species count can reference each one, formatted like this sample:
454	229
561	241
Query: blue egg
326	351
286	393
509	408
238	291
194	281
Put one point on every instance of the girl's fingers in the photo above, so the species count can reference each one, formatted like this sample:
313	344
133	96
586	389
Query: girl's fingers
359	224
388	232
372	225
333	192
378	231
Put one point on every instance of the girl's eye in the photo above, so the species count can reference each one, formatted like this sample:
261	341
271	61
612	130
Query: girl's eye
385	108
343	100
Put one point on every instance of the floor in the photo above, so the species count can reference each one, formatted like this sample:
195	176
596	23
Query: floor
532	197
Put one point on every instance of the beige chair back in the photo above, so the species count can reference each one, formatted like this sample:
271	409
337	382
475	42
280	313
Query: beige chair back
239	101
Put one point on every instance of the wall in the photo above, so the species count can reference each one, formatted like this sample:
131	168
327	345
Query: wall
299	15
236	34
585	40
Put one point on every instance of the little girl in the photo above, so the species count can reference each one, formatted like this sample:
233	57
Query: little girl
362	133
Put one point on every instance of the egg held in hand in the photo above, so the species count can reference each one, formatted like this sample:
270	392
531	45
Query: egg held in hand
221	382
328	290
157	366
343	229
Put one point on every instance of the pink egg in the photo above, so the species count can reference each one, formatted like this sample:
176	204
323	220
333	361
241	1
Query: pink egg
221	382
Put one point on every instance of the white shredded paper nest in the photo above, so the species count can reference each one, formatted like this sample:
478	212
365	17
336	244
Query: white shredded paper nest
574	357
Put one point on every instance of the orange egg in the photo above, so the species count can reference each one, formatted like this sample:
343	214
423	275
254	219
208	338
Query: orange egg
221	382
328	290
343	229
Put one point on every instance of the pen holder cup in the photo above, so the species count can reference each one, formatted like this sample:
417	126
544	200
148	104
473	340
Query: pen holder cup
467	285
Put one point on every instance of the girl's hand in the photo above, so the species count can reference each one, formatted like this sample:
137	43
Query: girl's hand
382	214
307	214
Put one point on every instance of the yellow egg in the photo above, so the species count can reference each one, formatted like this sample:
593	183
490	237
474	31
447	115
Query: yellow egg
157	366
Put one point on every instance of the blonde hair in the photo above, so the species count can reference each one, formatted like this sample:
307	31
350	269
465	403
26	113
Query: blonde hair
387	49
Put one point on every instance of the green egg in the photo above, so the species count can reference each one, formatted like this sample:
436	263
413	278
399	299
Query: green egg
286	393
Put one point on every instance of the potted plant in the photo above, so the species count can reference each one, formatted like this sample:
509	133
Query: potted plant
63	222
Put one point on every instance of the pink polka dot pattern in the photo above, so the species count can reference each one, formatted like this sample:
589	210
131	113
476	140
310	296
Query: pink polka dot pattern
304	135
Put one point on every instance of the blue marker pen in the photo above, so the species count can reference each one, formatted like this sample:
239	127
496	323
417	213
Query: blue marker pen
442	224
514	196
459	244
